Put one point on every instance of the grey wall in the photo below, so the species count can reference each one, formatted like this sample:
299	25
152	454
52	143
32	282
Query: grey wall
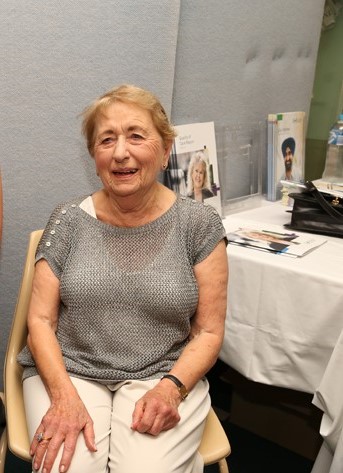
226	61
239	61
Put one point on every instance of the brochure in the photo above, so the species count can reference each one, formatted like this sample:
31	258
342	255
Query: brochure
193	167
275	239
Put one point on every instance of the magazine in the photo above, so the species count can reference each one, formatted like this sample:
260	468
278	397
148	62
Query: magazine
193	168
274	239
285	150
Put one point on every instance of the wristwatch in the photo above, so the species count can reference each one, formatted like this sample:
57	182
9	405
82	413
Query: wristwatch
181	387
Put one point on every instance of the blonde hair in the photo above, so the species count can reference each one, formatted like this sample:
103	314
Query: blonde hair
129	94
197	157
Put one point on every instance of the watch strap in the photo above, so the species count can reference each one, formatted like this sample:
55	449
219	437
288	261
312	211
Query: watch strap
181	387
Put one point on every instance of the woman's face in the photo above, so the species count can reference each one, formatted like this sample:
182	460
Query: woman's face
198	175
129	152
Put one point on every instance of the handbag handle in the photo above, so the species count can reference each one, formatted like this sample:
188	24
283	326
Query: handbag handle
322	202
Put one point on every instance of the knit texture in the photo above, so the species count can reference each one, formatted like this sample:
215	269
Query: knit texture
127	294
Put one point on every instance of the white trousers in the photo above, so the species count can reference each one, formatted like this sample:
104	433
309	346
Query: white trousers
120	449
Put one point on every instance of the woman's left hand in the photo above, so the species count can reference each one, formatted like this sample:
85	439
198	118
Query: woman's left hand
157	410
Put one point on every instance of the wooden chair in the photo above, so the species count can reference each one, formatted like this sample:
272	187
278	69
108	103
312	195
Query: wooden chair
214	447
15	434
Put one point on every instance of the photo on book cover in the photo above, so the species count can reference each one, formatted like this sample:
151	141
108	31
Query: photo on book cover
193	168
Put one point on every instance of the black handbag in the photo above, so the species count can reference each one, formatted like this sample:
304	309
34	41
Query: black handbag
316	212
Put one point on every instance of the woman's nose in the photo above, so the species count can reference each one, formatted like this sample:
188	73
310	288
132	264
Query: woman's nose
120	151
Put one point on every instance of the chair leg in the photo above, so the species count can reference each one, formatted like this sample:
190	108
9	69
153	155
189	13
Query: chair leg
223	468
3	450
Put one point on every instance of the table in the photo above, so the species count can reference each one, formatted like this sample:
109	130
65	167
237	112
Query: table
328	398
285	315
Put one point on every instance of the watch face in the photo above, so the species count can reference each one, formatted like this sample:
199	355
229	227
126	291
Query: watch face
183	392
181	387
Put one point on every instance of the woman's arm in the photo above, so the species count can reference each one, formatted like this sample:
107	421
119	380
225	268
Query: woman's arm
67	415
207	329
200	354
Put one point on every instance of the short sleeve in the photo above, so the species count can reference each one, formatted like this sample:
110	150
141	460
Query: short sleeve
207	231
55	243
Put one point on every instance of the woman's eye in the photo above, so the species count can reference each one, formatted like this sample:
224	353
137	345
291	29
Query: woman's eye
106	141
136	137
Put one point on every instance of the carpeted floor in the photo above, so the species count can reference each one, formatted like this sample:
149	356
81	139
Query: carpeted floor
253	454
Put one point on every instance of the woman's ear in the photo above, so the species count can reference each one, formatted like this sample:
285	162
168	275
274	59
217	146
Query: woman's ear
168	146
166	154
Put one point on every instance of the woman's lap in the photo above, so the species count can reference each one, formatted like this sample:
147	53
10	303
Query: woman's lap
121	449
172	451
98	401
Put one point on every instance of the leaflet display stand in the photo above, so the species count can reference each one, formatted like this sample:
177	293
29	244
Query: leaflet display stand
239	153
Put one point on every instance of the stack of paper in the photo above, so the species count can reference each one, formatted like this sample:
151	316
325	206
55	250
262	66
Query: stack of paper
274	239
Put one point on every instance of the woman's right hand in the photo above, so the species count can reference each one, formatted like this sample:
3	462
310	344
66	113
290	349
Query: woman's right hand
60	428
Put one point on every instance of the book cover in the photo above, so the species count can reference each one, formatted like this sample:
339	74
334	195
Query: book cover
285	150
193	167
275	239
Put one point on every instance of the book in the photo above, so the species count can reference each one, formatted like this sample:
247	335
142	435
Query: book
285	151
193	166
274	239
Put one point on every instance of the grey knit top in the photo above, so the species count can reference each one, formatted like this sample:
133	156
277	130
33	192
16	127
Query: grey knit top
127	294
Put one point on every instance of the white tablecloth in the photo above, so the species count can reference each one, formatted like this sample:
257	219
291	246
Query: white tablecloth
284	314
329	398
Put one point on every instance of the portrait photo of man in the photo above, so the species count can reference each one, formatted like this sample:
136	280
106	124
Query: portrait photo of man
288	150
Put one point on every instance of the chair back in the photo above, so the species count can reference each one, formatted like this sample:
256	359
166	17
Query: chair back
18	438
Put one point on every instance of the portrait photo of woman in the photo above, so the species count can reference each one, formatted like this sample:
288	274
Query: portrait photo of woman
198	179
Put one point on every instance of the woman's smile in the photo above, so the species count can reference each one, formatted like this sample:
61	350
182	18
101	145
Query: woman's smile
122	173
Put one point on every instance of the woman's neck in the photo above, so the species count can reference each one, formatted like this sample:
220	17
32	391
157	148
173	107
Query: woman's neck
198	194
130	211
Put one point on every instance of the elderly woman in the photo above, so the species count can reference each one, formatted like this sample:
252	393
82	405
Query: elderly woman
198	183
127	309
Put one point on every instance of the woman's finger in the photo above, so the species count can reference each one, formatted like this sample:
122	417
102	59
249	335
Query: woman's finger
89	435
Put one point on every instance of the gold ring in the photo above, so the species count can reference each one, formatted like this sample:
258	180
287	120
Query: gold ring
40	437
